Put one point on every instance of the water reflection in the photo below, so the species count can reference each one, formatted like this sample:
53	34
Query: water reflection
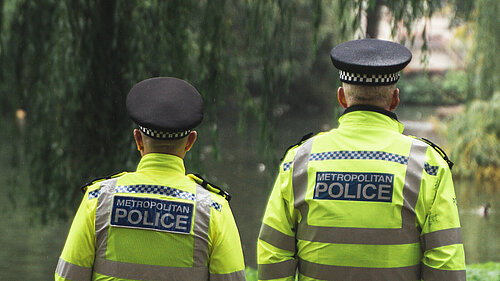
479	233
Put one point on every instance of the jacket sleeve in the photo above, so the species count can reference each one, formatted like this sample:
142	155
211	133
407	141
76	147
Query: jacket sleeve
226	260
444	257
77	256
276	244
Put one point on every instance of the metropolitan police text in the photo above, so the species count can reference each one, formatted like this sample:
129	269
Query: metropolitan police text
354	186
149	213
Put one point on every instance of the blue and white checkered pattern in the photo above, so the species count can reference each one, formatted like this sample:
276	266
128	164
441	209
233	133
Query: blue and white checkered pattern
373	155
287	165
216	206
155	189
337	155
94	193
365	155
431	170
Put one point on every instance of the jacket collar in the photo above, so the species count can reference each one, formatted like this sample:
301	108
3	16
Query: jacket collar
161	162
369	116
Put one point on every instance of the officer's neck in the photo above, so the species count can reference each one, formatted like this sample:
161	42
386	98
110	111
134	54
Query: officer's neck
174	153
369	107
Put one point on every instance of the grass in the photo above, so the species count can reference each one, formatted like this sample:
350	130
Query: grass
489	271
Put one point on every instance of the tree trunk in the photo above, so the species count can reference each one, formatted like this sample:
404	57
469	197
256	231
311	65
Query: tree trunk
373	16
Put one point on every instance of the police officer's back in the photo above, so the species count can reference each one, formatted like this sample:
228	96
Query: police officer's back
363	201
156	223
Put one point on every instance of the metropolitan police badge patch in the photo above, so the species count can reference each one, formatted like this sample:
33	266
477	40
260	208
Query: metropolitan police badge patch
153	214
375	187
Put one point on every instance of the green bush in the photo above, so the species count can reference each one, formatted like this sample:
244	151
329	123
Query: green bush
474	139
483	272
423	88
251	274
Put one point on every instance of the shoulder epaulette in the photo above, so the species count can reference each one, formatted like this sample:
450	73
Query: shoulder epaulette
84	187
210	186
439	151
302	140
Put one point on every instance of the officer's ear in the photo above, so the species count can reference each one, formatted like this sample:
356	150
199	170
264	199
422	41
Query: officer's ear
139	141
395	99
191	139
341	97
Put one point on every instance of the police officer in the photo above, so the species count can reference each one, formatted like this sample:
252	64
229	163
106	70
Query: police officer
155	223
363	201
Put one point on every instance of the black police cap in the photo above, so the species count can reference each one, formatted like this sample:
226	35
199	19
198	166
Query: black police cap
165	107
370	61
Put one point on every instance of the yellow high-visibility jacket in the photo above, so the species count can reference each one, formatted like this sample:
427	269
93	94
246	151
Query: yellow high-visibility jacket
152	224
362	202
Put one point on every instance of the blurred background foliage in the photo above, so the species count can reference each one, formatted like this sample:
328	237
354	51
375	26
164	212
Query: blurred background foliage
449	88
474	135
68	65
475	140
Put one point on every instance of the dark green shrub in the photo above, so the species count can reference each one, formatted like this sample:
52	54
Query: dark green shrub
423	88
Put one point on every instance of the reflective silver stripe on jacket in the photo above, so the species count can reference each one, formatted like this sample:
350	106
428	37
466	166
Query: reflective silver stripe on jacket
102	214
233	276
300	178
200	229
277	270
72	271
433	274
276	238
346	273
441	238
154	189
199	271
407	234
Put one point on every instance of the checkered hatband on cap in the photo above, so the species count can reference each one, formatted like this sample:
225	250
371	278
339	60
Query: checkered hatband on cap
368	79
162	134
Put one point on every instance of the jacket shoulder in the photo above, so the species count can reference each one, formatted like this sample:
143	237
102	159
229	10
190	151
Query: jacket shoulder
210	186
97	180
438	149
300	142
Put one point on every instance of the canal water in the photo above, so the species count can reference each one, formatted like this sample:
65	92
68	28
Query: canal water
30	251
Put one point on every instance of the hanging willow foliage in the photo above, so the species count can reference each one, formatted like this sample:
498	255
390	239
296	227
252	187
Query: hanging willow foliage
74	61
71	64
485	64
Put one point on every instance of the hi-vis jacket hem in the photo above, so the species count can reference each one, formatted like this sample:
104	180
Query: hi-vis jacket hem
346	273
